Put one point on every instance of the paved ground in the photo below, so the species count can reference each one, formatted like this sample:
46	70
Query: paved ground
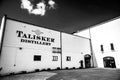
78	74
29	76
87	74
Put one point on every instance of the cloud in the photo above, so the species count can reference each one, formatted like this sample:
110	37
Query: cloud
40	7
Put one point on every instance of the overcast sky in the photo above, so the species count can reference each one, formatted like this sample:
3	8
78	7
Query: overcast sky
69	15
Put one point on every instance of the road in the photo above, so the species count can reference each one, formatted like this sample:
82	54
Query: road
73	74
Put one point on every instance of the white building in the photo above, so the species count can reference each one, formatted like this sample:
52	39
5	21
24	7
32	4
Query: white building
27	47
105	40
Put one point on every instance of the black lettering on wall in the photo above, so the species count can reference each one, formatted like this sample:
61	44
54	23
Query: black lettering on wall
38	38
24	36
43	39
19	33
48	39
52	40
34	39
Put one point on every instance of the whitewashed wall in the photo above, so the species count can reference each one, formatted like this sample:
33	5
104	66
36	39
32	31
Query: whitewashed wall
104	34
76	47
18	56
83	33
14	59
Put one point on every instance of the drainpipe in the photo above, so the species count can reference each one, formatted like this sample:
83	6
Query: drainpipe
91	48
61	48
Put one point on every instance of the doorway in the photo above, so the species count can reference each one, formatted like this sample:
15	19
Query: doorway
87	61
109	62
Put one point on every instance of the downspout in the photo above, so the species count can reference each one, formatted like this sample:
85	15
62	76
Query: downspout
91	48
61	49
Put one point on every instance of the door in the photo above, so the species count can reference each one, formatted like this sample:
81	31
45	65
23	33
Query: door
109	62
87	61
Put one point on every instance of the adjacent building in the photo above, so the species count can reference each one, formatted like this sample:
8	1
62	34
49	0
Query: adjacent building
105	42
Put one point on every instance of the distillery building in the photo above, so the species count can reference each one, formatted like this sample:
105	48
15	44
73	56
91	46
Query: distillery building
105	41
26	47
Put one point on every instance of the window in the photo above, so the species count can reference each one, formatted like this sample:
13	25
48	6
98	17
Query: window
102	48
68	58
37	57
55	58
112	46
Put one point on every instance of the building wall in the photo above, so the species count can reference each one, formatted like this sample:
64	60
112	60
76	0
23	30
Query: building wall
75	47
105	34
28	47
84	33
19	56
